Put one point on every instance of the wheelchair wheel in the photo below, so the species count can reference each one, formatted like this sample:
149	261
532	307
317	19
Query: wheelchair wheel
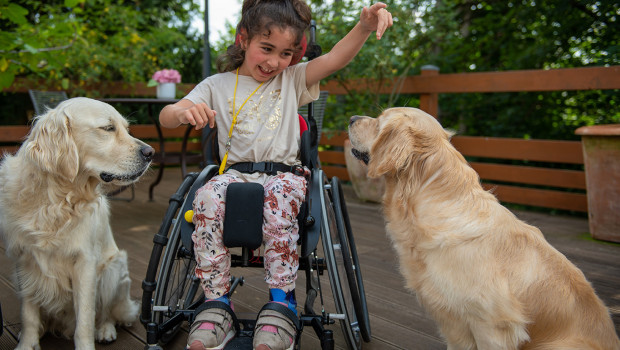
350	259
178	287
171	289
343	266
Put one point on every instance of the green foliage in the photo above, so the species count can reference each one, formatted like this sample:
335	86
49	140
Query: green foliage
478	36
84	41
525	34
510	35
26	48
392	56
97	40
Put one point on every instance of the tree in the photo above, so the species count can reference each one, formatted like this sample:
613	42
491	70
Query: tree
471	35
105	40
543	34
93	40
395	55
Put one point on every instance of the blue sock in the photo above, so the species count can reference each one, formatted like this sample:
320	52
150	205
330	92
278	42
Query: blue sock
278	295
224	298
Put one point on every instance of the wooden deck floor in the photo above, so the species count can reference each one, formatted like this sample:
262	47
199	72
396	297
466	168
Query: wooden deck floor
396	319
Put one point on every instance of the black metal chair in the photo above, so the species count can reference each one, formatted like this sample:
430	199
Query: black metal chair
44	100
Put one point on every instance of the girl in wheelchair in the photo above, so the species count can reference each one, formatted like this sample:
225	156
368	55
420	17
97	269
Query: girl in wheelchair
253	104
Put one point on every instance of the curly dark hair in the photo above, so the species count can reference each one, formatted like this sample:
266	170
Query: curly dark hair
259	16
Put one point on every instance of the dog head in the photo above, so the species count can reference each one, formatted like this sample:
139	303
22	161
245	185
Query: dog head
86	137
395	140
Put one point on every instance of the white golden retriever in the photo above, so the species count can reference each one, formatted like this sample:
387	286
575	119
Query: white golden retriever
71	277
490	280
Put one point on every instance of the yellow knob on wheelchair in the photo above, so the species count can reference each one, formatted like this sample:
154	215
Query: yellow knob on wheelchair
189	215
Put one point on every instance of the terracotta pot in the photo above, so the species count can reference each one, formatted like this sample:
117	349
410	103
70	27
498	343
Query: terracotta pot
601	155
366	189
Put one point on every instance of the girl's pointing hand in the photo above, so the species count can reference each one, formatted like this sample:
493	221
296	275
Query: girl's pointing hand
376	18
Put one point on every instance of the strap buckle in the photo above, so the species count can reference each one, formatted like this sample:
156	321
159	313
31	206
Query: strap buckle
263	167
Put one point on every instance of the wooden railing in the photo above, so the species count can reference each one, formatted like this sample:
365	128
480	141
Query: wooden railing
11	137
548	185
430	83
545	180
537	185
548	180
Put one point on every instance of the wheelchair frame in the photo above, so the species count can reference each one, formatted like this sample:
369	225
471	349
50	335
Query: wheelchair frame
171	291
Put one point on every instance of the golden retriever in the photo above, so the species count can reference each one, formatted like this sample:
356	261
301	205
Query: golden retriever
489	280
54	217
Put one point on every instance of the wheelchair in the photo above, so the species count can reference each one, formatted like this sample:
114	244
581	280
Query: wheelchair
171	290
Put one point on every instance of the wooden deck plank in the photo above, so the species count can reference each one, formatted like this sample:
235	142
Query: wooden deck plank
397	320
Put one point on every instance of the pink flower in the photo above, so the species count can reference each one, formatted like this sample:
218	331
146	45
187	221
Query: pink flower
167	76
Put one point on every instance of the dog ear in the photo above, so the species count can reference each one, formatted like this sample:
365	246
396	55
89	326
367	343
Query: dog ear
400	143
51	146
391	150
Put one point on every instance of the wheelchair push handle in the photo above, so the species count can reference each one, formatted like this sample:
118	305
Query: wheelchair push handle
313	50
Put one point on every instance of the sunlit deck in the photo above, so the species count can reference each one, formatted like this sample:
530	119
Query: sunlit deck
397	321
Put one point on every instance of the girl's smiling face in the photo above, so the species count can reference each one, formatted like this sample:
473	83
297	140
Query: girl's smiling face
268	54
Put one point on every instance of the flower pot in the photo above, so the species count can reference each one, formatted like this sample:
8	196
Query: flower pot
366	189
601	156
166	90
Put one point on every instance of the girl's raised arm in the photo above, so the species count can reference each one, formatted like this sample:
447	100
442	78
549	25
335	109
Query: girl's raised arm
373	18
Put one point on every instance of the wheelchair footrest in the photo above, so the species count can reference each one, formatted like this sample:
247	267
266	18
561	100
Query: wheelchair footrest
239	343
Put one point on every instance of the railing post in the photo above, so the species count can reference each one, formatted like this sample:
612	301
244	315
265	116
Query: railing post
429	102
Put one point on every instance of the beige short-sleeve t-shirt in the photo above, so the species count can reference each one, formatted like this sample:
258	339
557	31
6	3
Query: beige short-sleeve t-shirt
267	127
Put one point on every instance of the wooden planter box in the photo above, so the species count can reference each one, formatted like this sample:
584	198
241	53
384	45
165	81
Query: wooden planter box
601	152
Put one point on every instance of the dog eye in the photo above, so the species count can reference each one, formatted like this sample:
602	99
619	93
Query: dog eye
109	128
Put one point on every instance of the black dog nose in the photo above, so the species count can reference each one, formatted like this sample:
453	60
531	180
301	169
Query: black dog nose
147	152
353	119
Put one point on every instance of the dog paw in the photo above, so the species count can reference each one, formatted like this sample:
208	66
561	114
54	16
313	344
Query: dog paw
106	333
28	347
28	343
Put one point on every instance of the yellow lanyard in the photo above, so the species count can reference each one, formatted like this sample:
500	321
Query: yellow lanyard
232	126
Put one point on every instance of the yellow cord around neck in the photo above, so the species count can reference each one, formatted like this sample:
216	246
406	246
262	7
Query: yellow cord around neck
234	121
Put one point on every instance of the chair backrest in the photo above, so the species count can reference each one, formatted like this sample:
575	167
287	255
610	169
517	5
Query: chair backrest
318	109
44	100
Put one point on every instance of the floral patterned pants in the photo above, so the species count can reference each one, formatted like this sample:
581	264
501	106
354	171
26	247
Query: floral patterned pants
284	194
